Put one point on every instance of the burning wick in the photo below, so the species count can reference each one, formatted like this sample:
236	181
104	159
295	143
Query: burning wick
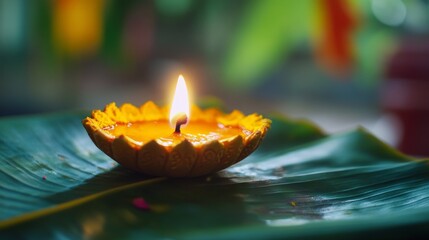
181	119
179	112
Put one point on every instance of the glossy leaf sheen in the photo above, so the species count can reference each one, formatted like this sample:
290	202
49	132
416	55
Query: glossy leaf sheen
300	183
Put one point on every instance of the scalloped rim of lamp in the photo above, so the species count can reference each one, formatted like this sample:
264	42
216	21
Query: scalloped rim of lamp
180	160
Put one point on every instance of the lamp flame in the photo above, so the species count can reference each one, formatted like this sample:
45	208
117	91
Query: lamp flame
180	107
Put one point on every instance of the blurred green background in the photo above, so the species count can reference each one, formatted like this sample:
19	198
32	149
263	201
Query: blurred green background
326	60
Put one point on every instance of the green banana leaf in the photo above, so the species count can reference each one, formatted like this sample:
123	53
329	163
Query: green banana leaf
300	183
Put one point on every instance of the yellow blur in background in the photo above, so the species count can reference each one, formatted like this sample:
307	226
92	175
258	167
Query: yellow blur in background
77	25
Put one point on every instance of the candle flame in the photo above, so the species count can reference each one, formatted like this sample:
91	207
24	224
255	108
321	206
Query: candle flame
180	104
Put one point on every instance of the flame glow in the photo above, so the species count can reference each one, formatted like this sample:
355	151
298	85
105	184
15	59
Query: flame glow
180	101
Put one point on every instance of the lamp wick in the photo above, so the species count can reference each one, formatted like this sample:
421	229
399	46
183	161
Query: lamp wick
181	119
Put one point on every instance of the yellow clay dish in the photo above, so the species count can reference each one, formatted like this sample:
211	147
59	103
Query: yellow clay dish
142	139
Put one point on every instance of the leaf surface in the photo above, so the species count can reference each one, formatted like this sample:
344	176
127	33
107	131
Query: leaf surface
300	183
